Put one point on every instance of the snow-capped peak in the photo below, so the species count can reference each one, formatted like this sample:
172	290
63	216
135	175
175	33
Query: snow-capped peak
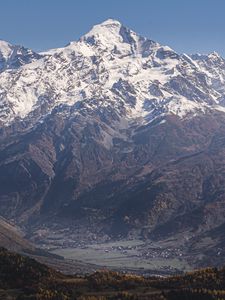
5	49
14	56
116	67
104	28
111	22
214	55
109	33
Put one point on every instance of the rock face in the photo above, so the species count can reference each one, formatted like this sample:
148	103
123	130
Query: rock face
116	134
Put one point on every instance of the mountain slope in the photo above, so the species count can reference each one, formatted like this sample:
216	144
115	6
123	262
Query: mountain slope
12	239
115	136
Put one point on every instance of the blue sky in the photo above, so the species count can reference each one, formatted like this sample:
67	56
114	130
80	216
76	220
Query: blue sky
185	25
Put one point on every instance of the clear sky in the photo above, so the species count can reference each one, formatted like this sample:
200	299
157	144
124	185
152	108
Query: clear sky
185	25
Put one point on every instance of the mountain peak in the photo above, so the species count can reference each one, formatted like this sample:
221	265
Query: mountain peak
14	56
108	22
107	30
115	37
4	43
214	55
5	48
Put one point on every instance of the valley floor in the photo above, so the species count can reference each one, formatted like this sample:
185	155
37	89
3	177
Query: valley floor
129	255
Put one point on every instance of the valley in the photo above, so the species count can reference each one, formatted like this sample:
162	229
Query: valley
128	256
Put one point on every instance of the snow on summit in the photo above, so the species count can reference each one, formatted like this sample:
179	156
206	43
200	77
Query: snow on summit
111	66
5	49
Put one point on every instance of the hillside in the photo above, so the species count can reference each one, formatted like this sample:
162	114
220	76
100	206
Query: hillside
12	238
24	278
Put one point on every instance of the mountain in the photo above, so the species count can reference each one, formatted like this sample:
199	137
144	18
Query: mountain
114	66
116	136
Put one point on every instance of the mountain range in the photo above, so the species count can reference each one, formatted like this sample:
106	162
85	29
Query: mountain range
114	136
